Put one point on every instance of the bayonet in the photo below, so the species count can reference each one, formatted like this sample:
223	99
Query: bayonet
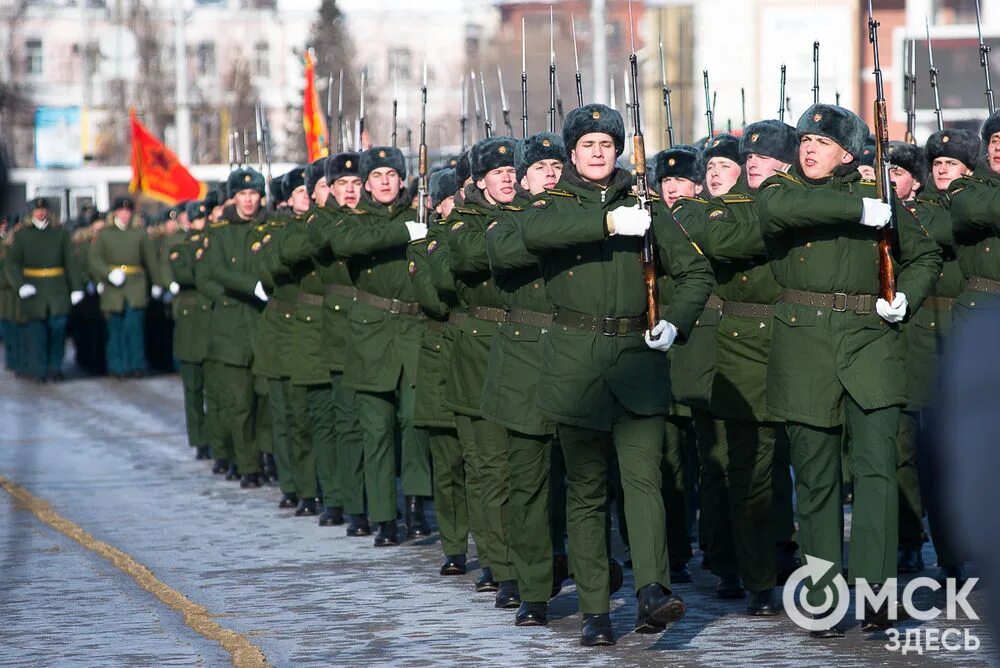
911	92
984	61
361	113
487	123
816	72
709	116
504	107
340	115
552	73
475	104
329	112
258	135
395	105
668	113
934	77
743	106
576	61
781	98
524	85
463	120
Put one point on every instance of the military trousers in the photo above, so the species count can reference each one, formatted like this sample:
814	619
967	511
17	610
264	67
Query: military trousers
932	460
193	382
816	455
491	452
239	414
126	342
450	503
716	524
263	420
557	498
299	435
279	434
44	346
674	492
473	486
350	445
750	471
216	429
638	442
324	441
10	346
784	513
529	460
911	510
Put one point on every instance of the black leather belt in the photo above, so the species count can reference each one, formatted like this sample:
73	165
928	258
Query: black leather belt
394	306
312	300
337	290
747	310
521	316
488	313
603	326
836	301
980	284
939	303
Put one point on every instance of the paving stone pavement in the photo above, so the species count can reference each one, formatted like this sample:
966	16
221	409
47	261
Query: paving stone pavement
111	456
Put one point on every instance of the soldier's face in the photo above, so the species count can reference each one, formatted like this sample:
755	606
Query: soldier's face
760	167
123	215
498	184
170	226
40	213
321	192
993	152
902	180
721	174
594	157
819	156
675	187
198	224
247	202
384	185
299	200
445	207
542	175
946	170
347	191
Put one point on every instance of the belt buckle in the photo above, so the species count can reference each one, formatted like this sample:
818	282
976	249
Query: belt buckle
623	326
842	298
394	306
609	326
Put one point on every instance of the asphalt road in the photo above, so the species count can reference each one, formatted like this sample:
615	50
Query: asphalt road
110	458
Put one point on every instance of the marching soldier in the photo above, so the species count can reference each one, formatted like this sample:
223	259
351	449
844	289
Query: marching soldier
605	389
821	229
42	269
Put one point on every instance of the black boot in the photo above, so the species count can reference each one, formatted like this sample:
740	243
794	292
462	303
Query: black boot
560	573
454	564
220	466
596	631
416	521
656	608
306	508
250	481
876	621
532	614
332	517
956	572
289	500
388	534
763	603
616	576
508	595
231	473
836	631
202	452
730	586
679	574
909	560
486	583
269	468
786	560
359	527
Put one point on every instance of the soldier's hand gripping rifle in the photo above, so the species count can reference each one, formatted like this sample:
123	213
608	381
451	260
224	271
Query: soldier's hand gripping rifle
668	113
883	179
984	61
504	107
422	153
648	250
933	77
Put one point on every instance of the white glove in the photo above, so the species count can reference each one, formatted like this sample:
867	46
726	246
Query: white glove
876	212
258	292
27	291
667	333
100	288
629	221
116	277
894	312
156	291
174	287
76	297
416	230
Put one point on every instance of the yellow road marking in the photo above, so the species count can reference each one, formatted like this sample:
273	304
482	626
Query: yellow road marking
241	650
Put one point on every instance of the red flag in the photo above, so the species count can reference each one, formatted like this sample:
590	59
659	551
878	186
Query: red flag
312	119
156	172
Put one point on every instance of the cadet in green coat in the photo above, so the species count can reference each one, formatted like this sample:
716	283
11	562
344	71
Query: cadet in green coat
385	327
192	313
123	260
42	269
227	261
8	327
836	358
600	383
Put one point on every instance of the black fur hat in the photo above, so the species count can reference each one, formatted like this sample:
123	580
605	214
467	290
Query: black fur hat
277	189
868	152
909	157
990	127
463	170
245	178
444	184
962	145
842	126
770	138
682	161
492	153
382	156
315	171
123	203
292	180
341	165
723	145
542	146
211	200
196	209
593	118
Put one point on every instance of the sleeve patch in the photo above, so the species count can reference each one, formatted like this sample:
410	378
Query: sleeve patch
199	253
412	268
491	226
255	247
540	203
716	213
266	240
457	226
432	246
174	255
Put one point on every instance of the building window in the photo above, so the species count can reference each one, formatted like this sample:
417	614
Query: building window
33	56
206	59
262	59
399	65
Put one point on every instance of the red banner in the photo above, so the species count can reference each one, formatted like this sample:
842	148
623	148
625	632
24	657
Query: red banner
156	171
313	120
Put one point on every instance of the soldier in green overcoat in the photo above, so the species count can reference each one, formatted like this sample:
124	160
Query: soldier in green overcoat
836	359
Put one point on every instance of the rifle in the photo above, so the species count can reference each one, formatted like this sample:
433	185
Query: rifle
329	113
236	148
422	151
361	114
911	97
883	179
647	254
984	61
708	105
266	141
395	107
340	115
576	60
816	72
246	147
933	77
487	123
836	97
743	106
258	134
233	164
781	98
475	102
463	120
504	107
626	92
666	98
552	74
524	86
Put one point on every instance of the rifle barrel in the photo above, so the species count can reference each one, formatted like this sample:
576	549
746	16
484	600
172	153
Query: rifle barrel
984	61
883	177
